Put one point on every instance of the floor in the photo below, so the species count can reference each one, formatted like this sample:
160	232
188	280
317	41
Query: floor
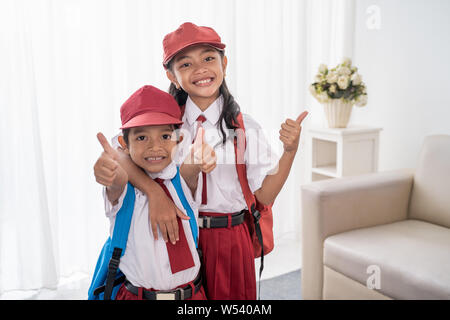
284	287
285	257
280	279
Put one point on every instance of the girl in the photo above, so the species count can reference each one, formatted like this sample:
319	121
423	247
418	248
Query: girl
195	63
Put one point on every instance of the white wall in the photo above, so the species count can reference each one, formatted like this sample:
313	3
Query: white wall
404	57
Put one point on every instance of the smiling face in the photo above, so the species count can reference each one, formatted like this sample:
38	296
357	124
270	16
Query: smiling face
150	147
199	70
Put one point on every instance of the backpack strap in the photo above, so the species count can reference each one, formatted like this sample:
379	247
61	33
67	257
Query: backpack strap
176	182
119	238
250	200
240	145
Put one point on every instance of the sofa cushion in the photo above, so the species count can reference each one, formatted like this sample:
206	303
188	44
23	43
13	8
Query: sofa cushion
430	197
412	257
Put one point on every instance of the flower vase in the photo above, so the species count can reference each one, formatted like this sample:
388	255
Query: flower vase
338	113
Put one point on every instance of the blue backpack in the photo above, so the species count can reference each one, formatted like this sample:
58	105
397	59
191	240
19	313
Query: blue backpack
107	277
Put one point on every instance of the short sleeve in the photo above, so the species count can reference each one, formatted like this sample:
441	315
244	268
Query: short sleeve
260	158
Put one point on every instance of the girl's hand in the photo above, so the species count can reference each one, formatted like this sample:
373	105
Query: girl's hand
202	153
163	214
290	133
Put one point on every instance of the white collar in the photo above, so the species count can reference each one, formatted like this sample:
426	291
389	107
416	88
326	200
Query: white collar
212	113
167	173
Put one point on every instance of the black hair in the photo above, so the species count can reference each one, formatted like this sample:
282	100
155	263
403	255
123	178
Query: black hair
230	108
125	133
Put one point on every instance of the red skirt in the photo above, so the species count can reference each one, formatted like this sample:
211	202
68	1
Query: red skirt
228	262
124	294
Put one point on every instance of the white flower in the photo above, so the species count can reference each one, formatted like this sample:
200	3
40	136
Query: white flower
347	61
332	77
356	79
344	71
323	68
343	82
361	101
336	79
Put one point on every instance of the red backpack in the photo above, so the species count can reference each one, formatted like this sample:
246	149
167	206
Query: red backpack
259	220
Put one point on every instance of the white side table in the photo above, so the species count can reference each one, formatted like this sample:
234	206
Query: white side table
342	152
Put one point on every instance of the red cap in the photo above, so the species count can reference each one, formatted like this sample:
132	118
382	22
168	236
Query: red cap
187	35
149	106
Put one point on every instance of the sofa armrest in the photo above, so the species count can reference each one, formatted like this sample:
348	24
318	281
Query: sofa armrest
333	206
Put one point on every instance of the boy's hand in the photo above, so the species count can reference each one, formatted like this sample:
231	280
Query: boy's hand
202	153
290	133
107	170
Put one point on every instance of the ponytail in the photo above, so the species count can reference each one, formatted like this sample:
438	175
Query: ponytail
230	111
179	94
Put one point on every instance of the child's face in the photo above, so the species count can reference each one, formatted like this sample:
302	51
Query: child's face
199	70
150	147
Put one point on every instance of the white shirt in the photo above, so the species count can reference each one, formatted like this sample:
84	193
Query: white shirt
146	261
224	193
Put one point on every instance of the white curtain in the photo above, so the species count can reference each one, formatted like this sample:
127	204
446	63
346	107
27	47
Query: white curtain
66	66
330	33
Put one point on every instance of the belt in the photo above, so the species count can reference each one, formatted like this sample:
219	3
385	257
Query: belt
175	294
221	221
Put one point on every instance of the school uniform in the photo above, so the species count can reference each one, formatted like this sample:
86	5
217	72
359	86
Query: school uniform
150	264
228	259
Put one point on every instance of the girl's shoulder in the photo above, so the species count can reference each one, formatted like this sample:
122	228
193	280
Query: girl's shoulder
250	122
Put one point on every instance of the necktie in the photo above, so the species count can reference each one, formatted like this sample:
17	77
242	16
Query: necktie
180	255
200	120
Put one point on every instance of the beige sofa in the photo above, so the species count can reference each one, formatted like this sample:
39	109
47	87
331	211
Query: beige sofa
380	236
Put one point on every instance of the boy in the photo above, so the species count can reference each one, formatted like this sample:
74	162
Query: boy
149	118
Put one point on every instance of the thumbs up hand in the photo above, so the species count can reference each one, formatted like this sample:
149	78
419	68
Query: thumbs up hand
290	133
202	153
107	169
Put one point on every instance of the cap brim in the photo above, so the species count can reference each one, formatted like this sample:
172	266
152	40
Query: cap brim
151	119
217	45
